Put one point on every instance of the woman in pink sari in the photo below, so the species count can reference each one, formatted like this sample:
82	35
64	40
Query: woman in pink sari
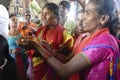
97	56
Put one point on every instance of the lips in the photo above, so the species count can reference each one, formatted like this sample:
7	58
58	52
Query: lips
44	21
79	27
15	23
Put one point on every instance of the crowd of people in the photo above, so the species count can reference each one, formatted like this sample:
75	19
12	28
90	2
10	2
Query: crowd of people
59	48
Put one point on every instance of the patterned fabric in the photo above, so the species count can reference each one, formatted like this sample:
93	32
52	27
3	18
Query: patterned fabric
43	34
54	37
115	66
41	70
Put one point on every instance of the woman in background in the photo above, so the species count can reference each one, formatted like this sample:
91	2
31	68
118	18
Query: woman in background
15	51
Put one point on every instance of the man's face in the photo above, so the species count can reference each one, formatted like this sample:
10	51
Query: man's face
27	16
78	29
83	1
63	10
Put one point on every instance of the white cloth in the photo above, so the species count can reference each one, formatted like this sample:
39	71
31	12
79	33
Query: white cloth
4	21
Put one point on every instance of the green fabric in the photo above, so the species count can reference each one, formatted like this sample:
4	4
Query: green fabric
69	26
35	7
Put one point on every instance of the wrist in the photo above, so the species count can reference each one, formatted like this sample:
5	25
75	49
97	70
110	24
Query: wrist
48	55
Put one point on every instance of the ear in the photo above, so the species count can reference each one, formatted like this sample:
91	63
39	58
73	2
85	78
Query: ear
104	19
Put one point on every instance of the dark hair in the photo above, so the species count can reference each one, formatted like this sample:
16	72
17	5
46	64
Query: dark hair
81	11
9	71
115	26
107	7
11	15
65	4
53	7
6	3
4	49
27	11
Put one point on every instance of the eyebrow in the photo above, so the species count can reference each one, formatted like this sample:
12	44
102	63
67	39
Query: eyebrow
89	11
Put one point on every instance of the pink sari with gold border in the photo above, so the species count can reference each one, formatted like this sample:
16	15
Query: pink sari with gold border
101	51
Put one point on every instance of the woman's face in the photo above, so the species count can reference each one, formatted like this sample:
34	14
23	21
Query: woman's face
48	17
79	23
91	19
13	21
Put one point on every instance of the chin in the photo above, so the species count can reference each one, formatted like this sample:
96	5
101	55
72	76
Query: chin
45	23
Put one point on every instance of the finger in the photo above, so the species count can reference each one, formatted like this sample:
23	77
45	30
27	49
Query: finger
48	47
33	35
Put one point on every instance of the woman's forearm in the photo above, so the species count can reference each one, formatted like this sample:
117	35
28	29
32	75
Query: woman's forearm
58	67
76	64
40	49
52	61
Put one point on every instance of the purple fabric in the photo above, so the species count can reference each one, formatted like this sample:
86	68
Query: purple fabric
100	62
30	74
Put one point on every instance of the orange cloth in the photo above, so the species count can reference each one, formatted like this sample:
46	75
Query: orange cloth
79	39
28	30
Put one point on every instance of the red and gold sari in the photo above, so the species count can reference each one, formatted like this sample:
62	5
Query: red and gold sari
54	37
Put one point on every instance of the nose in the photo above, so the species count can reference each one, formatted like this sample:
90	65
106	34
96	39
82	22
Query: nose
43	16
84	19
81	22
62	8
16	20
84	16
